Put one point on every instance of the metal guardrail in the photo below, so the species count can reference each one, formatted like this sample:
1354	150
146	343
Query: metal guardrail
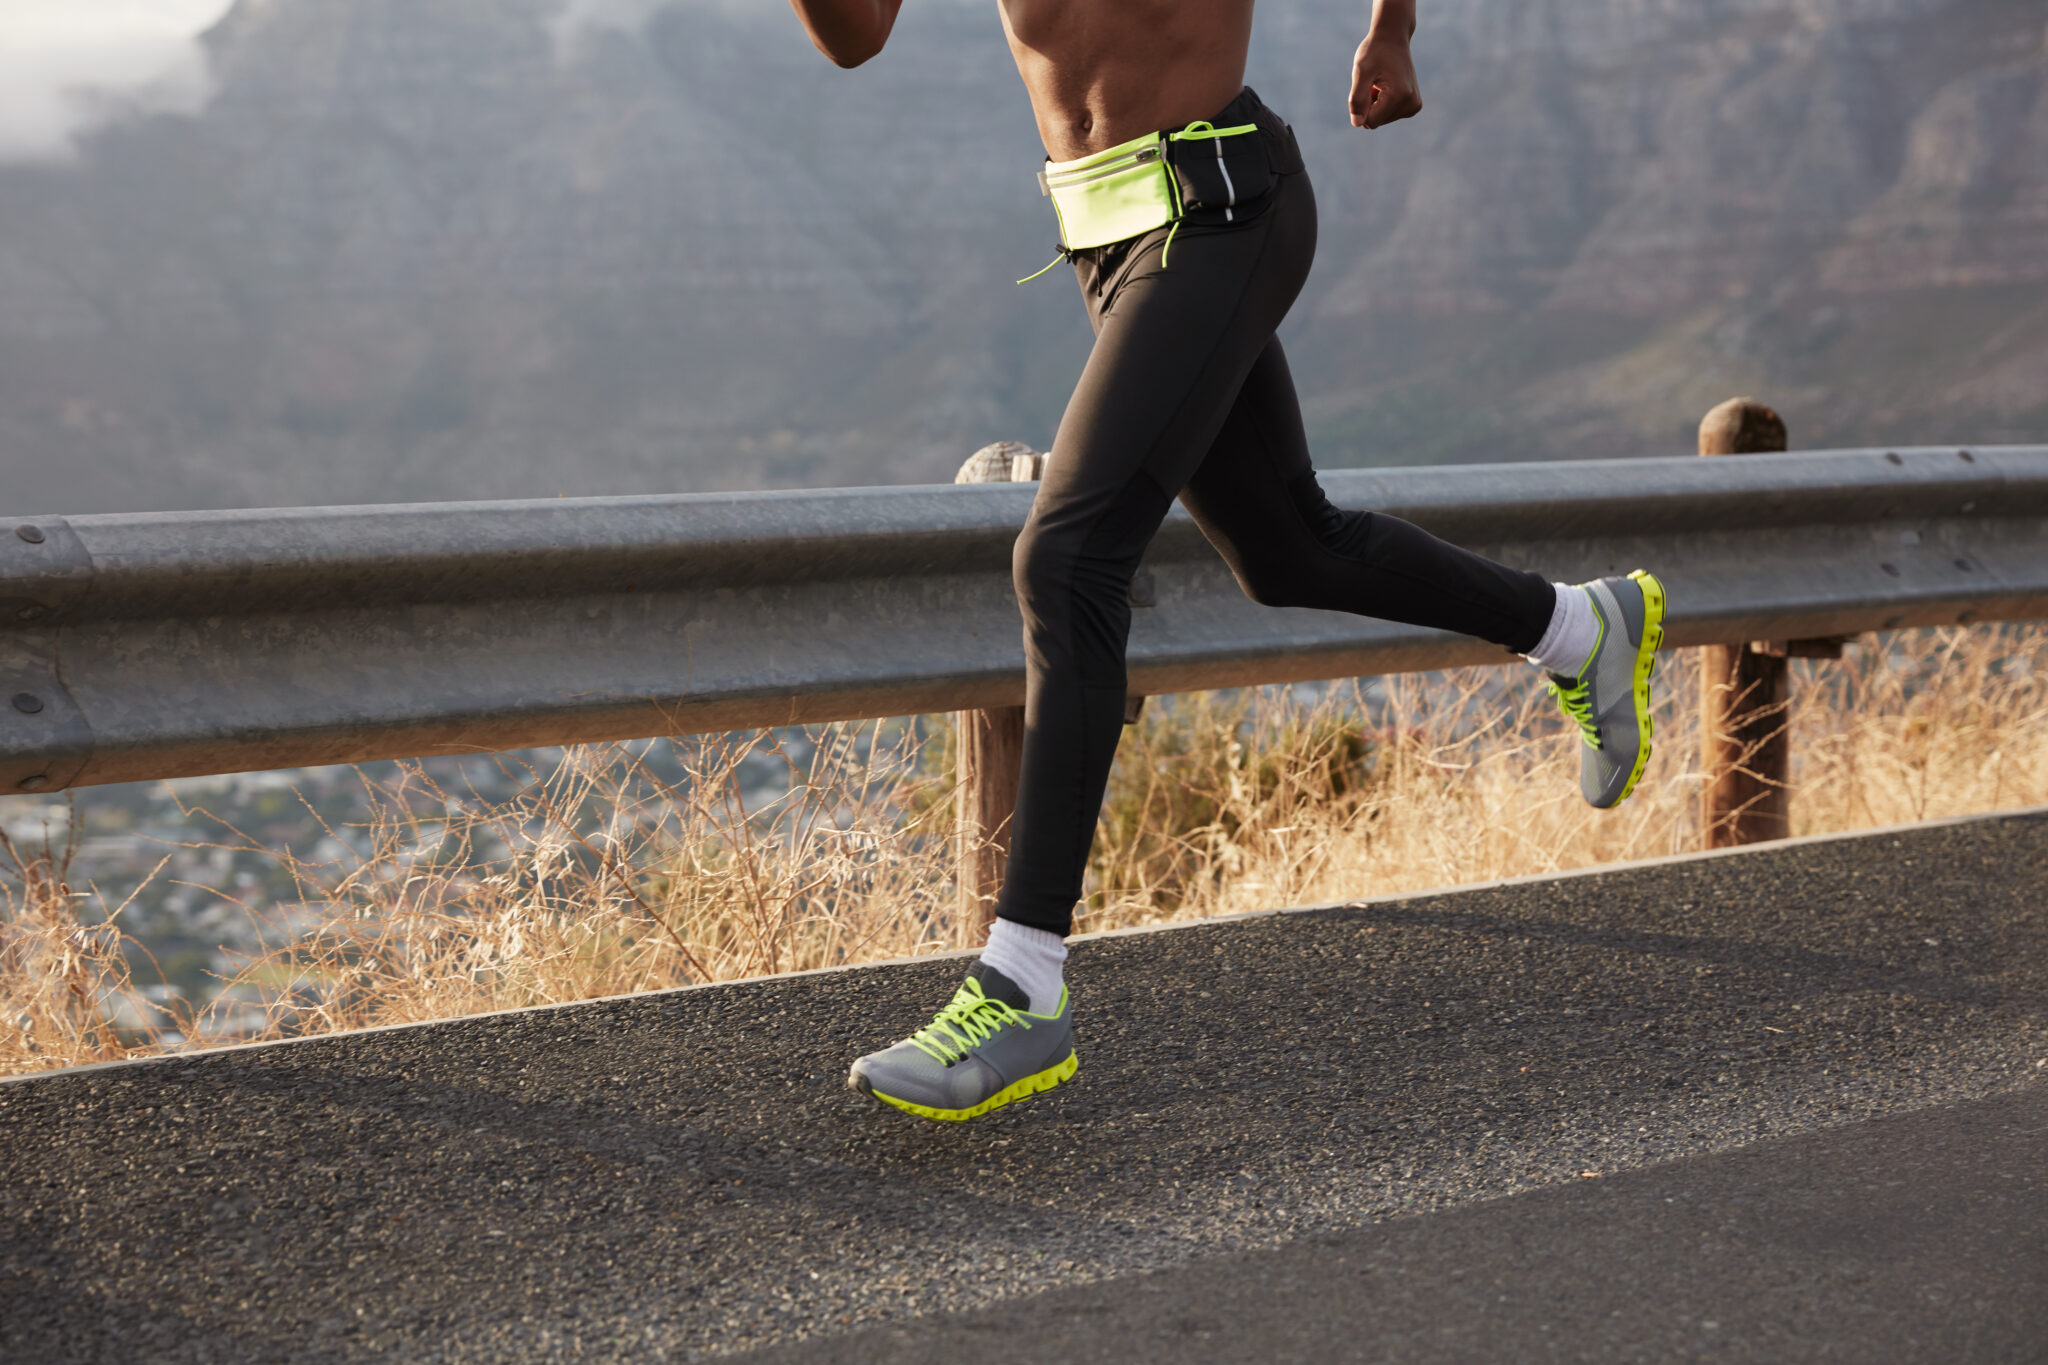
161	645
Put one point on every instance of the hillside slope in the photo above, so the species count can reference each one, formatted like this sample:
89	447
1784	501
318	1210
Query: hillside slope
469	249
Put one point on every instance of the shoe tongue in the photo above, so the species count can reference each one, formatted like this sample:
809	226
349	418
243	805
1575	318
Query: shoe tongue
996	986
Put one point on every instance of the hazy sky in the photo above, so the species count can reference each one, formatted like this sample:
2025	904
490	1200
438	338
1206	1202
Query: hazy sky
67	65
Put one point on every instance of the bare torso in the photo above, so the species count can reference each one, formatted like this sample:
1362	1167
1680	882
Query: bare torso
1101	72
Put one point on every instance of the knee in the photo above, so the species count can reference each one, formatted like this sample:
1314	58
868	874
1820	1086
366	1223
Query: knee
1309	570
1039	565
1067	588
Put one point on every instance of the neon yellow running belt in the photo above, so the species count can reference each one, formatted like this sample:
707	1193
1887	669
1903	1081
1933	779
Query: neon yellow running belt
1128	190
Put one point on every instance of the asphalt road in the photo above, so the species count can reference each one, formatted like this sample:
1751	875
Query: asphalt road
681	1175
1919	1237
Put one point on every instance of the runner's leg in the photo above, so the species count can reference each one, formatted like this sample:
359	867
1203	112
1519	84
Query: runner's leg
1173	347
1256	497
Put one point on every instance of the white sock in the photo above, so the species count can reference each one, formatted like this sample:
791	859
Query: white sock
1574	629
1032	958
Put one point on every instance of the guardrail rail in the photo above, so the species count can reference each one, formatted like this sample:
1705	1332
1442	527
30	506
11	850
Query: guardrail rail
171	644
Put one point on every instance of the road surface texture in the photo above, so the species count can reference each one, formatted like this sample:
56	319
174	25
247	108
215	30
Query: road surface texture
680	1175
1919	1237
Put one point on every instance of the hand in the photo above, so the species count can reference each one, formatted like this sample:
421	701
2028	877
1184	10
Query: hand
848	32
1383	84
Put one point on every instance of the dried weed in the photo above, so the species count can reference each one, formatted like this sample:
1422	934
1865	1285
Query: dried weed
827	845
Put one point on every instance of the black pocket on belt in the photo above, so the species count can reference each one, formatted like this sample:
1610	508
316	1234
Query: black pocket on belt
1224	178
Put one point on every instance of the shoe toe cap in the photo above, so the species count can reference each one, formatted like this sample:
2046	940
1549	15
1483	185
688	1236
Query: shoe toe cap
1604	773
909	1073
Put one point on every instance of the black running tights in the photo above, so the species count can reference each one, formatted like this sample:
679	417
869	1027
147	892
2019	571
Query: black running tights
1187	395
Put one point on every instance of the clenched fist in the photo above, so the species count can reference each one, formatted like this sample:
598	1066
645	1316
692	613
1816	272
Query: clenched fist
1383	85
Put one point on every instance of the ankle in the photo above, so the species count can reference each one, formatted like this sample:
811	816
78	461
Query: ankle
1567	646
1033	958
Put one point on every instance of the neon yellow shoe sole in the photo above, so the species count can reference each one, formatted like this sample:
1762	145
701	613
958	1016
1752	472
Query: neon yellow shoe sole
1024	1089
1646	664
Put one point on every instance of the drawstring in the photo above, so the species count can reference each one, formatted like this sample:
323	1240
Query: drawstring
1048	265
1170	233
1169	243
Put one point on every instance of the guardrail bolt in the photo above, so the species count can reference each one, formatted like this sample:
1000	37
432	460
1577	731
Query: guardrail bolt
991	743
28	703
32	534
1745	704
34	782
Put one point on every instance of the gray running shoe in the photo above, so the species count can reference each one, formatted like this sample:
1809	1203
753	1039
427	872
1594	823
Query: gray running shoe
1609	700
983	1050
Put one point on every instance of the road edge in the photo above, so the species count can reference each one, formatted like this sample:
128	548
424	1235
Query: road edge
1079	940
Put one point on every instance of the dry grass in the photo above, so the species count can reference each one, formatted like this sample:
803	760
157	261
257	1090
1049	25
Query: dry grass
777	852
1255	800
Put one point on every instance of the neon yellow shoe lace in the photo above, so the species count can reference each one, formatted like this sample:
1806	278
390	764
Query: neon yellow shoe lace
1576	701
968	1018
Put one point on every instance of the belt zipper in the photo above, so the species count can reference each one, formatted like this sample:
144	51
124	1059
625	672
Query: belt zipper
1047	182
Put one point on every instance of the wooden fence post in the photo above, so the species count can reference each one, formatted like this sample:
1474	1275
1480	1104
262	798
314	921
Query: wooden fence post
1745	708
991	744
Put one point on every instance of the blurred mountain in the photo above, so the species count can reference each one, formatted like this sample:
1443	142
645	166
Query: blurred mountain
481	248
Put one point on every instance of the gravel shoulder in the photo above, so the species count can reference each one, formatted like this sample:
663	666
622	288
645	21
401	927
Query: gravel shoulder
682	1175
